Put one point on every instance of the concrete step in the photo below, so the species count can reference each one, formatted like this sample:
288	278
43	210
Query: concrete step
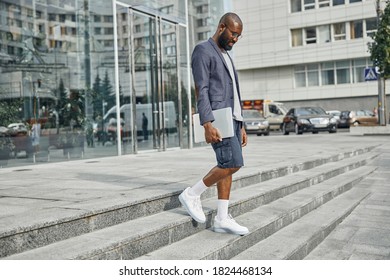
262	222
43	227
297	240
141	236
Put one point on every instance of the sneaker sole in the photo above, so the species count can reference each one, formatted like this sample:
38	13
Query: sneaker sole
225	230
182	201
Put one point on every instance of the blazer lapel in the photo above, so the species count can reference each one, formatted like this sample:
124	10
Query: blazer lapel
218	51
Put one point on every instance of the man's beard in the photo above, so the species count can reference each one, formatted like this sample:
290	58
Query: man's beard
223	41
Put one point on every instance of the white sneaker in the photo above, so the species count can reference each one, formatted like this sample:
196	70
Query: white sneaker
193	206
229	225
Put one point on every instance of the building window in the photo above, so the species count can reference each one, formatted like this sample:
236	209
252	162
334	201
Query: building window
108	19
339	31
323	3
38	14
313	75
97	18
202	9
338	2
311	35
296	37
324	33
296	6
203	36
300	76
358	70
371	26
354	1
167	9
343	72
309	4
356	29
52	17
327	73
108	31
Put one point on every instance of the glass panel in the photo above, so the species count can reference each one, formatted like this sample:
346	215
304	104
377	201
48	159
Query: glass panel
296	6
339	31
359	66
300	76
155	80
57	82
354	1
356	29
343	72
371	26
313	75
324	33
309	4
323	3
311	36
296	37
338	2
327	73
170	86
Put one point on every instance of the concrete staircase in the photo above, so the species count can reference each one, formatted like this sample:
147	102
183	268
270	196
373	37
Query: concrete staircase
289	210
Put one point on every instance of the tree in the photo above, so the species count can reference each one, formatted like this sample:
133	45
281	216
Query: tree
107	92
380	55
62	96
9	110
380	47
97	97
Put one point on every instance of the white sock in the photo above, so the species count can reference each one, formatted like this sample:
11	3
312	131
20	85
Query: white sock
223	209
197	189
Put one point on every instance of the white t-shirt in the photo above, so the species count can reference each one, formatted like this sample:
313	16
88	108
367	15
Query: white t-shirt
237	106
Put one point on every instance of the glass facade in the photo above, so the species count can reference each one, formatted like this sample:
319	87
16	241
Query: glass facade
88	79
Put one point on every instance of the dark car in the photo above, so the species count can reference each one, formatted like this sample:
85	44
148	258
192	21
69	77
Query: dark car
308	119
255	123
344	119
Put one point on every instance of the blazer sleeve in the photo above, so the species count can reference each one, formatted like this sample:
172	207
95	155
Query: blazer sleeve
201	67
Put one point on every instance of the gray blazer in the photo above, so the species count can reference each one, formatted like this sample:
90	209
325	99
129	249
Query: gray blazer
213	83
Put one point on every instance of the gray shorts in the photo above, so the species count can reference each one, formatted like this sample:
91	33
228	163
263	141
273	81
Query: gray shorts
228	152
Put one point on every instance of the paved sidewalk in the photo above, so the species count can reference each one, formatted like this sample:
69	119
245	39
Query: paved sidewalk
36	193
365	234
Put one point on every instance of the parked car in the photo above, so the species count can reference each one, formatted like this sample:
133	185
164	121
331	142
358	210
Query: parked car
308	119
362	117
344	119
336	114
18	128
255	123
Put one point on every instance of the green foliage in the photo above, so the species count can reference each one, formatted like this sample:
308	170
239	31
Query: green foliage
380	47
102	92
9	112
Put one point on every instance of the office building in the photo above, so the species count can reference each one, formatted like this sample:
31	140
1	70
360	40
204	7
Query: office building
308	52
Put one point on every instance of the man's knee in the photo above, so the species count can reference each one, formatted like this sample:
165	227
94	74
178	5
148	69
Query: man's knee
234	170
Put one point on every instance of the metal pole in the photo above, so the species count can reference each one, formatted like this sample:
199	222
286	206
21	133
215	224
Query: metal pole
189	113
381	80
117	98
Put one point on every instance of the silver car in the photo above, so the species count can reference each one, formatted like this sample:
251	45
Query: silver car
255	123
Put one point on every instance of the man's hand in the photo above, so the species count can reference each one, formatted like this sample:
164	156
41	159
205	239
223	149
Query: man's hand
211	134
244	137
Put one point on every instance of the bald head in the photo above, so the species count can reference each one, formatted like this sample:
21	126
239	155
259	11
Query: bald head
228	32
230	18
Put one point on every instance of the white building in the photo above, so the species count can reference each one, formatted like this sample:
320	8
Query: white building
307	52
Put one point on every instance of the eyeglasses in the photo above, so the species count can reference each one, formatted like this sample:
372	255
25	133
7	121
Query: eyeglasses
234	34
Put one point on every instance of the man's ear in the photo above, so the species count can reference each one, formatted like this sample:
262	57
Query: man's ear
221	28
